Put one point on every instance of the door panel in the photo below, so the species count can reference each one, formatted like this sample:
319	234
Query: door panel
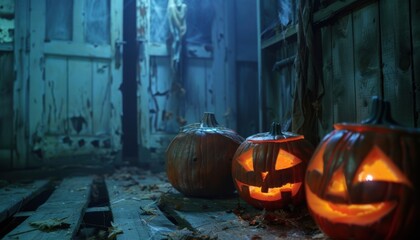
75	101
6	108
205	81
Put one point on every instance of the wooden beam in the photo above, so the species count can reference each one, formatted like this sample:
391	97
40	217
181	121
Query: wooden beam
13	197
133	201
289	32
61	214
336	9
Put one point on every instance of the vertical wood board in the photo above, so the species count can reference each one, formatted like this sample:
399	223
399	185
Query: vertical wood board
415	33
246	98
101	99
229	64
56	95
36	78
366	59
196	91
343	70
6	100
116	25
21	90
327	101
80	96
396	58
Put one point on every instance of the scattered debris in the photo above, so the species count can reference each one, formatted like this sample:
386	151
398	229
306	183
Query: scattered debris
188	235
113	231
50	225
147	210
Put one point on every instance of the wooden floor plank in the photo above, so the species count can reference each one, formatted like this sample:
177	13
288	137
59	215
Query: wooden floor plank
65	208
232	218
14	196
214	218
133	201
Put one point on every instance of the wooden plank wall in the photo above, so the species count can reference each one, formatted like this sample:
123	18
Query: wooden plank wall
370	50
7	28
278	52
205	82
415	34
6	108
396	58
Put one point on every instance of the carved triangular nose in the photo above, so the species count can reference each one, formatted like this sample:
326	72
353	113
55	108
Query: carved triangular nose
264	187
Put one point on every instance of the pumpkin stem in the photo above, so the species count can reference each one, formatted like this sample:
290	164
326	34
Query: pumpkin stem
209	120
381	113
275	129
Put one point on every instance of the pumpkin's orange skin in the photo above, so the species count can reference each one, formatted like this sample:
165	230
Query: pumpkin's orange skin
265	147
199	160
346	149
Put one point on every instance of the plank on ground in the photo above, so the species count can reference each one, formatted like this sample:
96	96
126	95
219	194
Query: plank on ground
232	218
13	197
214	218
66	205
133	202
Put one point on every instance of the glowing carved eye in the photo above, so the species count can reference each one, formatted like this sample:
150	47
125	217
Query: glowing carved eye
286	160
378	167
337	186
245	160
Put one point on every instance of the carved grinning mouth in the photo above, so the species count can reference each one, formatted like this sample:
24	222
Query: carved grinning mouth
360	214
273	194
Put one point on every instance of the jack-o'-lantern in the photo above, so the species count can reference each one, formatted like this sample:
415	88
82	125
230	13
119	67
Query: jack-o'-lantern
268	169
362	181
199	159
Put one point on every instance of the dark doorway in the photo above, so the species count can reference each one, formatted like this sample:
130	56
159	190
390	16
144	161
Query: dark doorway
129	87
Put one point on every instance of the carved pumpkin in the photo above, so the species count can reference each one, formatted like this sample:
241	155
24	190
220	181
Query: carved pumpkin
199	159
269	168
362	181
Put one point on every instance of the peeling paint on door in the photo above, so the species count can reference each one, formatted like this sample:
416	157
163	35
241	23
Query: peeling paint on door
75	102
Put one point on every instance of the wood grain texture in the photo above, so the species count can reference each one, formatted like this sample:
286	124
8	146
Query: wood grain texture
14	196
396	60
80	96
367	80
343	70
101	97
327	101
415	33
135	210
66	204
36	83
56	95
20	88
6	103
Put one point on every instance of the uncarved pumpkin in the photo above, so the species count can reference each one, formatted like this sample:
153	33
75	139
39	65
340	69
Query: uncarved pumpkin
362	181
268	169
199	159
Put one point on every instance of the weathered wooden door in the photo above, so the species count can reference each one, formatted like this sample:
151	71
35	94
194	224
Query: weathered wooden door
75	104
204	80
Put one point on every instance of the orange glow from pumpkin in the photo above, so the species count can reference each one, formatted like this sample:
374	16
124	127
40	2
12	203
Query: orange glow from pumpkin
378	167
245	160
273	194
286	160
337	186
264	175
360	214
317	163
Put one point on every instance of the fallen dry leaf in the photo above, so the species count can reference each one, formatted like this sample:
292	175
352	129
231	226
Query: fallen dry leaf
51	224
113	231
